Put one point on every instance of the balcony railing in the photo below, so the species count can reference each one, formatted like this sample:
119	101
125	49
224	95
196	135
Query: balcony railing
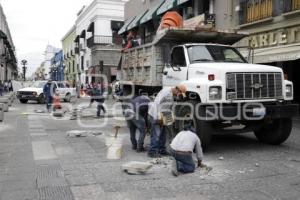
104	40
291	5
256	10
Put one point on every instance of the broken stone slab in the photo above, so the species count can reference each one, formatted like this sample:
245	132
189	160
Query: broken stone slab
58	113
136	167
81	133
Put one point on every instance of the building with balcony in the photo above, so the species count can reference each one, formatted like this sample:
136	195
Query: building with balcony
8	61
144	17
40	72
97	43
57	69
274	28
72	72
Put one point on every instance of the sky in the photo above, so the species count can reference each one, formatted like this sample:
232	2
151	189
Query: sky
36	23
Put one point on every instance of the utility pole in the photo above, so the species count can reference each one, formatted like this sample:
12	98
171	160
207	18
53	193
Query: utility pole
24	63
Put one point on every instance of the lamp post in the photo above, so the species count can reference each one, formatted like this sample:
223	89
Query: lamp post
24	63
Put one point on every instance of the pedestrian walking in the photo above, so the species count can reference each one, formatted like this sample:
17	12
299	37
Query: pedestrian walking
182	147
98	96
49	90
162	103
1	88
10	86
136	116
5	86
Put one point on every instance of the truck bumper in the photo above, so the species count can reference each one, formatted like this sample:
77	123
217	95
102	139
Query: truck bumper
239	112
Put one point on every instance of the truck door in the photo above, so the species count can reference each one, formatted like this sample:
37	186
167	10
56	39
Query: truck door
176	72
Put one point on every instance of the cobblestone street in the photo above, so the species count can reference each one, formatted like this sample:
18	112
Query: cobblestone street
39	161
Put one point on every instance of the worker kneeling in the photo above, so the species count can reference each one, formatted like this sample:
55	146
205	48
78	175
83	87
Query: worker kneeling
182	147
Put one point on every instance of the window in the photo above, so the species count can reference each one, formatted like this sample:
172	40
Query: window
178	58
199	53
255	10
291	5
60	85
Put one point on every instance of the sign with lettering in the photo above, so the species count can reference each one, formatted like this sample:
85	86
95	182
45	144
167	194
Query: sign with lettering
275	38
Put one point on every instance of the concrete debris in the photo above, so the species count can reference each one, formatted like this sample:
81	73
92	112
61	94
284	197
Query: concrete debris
221	158
79	133
136	168
39	111
256	165
241	172
159	161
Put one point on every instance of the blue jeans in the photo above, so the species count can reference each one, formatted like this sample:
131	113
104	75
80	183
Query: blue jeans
158	137
49	100
1	91
137	122
184	162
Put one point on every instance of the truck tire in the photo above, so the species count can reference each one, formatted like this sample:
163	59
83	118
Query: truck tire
23	100
274	132
41	99
203	129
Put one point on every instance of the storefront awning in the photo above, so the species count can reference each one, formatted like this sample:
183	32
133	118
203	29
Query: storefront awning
179	2
77	39
91	27
151	13
124	27
168	5
277	54
136	21
2	35
83	34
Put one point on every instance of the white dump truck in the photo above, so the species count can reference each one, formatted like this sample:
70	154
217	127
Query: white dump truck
226	94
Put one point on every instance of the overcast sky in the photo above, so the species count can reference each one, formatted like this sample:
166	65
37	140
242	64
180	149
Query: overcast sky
36	23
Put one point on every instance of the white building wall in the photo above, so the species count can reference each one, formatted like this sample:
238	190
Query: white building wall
101	12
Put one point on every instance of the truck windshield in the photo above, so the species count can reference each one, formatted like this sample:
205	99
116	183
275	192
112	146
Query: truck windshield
214	53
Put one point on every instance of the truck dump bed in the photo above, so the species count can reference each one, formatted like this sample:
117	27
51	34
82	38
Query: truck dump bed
144	65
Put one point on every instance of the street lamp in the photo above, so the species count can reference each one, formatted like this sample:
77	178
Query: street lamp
24	63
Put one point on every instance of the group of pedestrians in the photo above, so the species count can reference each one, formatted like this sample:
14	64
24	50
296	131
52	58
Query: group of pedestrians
5	86
140	110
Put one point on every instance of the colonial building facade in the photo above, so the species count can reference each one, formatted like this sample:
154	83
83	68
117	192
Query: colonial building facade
274	28
8	61
97	42
72	72
57	69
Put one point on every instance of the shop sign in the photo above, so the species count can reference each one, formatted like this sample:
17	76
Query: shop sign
275	38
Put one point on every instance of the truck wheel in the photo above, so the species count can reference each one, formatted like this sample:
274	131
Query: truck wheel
203	129
23	100
41	99
275	131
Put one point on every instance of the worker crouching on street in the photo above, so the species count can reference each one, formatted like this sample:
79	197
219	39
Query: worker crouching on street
136	115
162	103
182	147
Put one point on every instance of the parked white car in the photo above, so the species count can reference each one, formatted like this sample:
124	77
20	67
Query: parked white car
35	92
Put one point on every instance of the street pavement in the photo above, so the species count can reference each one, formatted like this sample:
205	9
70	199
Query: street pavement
38	160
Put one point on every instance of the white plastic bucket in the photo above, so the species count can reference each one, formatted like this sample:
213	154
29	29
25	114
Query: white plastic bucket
114	148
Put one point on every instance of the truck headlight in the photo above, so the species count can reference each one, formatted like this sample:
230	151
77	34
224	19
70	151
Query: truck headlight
215	93
289	90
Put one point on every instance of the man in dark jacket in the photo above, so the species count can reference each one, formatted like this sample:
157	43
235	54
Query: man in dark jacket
49	90
98	96
136	116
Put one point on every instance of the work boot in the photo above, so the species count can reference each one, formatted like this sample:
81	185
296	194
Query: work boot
140	149
164	153
134	147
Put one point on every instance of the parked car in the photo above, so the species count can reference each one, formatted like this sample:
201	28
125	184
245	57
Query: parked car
35	92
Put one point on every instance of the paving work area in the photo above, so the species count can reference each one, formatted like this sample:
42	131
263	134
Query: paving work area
40	160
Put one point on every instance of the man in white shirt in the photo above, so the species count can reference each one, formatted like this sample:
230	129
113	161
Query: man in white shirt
182	148
163	103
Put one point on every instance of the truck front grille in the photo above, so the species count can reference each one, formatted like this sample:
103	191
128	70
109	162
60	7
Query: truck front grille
247	86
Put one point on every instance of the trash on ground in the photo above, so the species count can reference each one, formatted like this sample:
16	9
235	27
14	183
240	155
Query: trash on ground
115	147
159	161
136	168
221	158
39	111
